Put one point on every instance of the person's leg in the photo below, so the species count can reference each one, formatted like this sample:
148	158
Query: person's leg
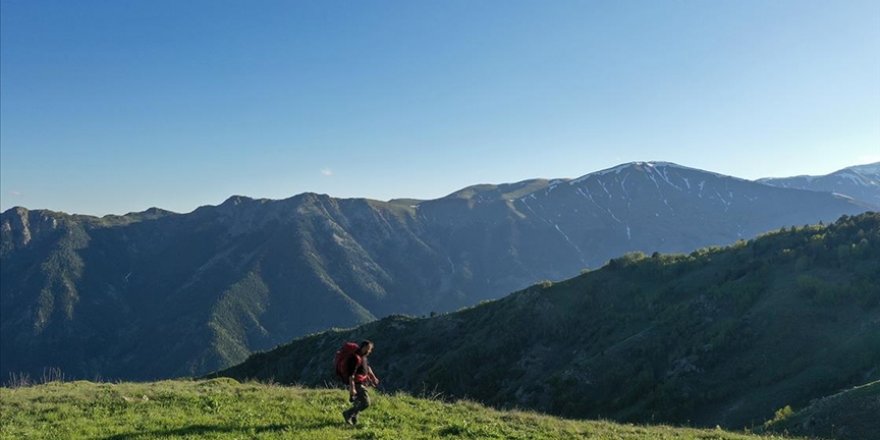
361	402
347	414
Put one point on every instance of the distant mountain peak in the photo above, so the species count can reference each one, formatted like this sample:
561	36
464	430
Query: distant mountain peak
641	166
236	200
16	209
859	182
505	190
868	168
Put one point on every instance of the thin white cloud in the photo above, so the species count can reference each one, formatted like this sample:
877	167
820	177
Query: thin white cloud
15	193
326	172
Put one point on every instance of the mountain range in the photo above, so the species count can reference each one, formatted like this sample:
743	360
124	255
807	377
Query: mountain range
158	294
861	182
721	336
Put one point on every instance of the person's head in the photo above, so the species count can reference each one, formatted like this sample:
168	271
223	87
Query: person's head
366	347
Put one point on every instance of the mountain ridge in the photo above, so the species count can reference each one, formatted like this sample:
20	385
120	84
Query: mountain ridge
859	182
539	183
90	294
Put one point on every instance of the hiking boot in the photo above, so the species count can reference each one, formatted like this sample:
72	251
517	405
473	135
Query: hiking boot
354	420
349	420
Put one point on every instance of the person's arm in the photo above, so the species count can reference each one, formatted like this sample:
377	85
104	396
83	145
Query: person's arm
352	366
372	376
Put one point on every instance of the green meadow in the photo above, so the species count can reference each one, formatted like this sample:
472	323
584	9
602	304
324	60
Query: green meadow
226	409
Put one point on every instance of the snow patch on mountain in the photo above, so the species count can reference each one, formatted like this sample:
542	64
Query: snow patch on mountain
650	167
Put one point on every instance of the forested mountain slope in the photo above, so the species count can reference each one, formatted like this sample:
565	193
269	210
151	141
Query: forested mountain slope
721	336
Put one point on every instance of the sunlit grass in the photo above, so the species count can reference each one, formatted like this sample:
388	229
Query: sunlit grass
225	409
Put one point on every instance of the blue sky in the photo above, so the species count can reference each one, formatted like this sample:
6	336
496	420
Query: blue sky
117	106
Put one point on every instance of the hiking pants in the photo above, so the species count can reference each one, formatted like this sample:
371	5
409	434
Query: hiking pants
361	400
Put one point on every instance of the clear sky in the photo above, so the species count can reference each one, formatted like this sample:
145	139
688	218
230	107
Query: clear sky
117	106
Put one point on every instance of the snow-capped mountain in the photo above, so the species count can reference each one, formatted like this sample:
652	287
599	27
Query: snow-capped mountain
158	294
860	182
638	206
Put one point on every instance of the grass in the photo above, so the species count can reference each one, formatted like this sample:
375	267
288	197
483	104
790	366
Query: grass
225	409
848	415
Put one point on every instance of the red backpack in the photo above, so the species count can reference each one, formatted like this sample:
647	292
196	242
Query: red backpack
341	362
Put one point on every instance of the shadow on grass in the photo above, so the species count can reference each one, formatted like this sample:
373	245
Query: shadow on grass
212	429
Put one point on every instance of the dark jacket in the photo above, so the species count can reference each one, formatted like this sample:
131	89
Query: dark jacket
359	369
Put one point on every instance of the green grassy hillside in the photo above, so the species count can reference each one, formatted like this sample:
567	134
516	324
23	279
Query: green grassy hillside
718	337
225	409
853	414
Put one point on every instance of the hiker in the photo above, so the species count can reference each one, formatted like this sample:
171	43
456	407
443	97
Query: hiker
352	367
